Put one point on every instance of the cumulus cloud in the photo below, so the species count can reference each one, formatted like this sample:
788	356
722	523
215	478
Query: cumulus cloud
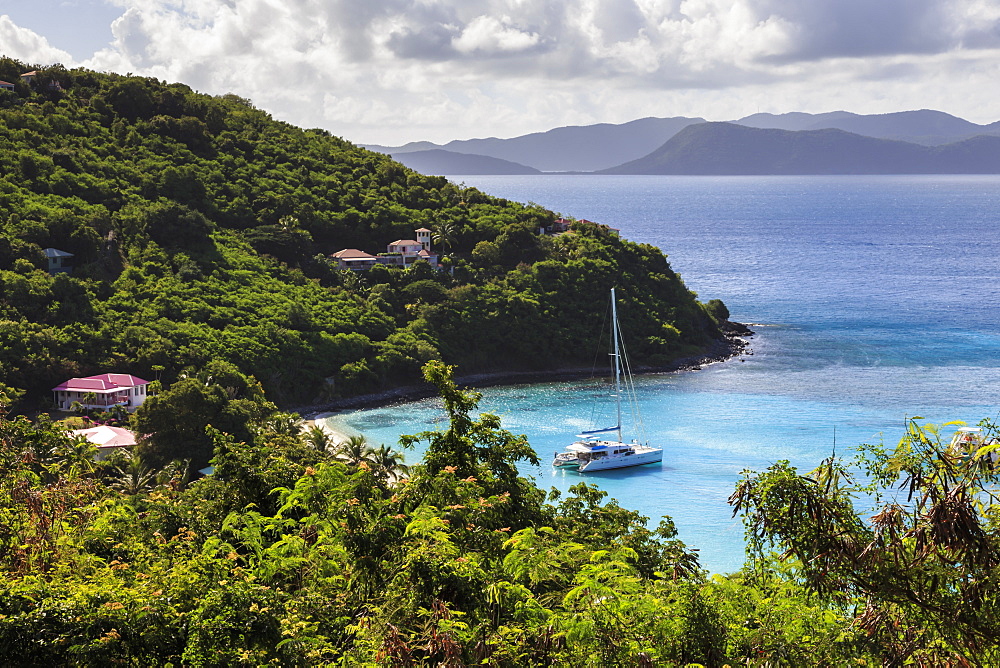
491	36
28	46
384	69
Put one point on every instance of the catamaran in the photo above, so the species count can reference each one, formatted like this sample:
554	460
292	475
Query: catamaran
593	453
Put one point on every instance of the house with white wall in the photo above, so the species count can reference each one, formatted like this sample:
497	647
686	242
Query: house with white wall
399	253
354	259
102	392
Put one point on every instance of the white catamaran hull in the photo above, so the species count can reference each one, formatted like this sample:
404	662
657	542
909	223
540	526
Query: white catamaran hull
637	459
602	455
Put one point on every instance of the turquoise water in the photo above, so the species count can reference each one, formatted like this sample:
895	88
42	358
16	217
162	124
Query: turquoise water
875	298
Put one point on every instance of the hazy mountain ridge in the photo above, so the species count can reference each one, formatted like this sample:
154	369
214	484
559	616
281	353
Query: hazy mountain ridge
608	148
566	149
446	163
923	126
731	149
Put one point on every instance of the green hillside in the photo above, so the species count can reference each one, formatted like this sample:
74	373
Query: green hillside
201	230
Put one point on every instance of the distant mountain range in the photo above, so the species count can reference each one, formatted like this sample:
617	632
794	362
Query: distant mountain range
729	148
438	161
839	142
931	128
585	148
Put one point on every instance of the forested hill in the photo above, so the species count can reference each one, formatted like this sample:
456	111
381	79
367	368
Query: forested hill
201	230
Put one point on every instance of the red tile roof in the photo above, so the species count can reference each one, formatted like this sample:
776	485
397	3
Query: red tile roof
352	254
106	382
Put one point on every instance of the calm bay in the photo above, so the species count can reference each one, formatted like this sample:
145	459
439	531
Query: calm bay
874	299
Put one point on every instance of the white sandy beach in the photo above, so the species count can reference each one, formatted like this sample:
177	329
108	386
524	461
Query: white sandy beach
336	436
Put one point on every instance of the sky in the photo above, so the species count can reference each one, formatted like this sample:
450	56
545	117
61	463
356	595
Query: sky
392	71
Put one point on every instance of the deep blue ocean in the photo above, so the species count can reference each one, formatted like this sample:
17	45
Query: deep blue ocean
874	299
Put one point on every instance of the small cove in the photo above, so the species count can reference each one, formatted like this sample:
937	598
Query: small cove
876	298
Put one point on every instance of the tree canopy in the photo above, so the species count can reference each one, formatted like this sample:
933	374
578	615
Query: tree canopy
201	230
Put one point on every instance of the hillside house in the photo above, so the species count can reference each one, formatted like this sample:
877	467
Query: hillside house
107	439
58	261
404	252
28	77
5	85
101	392
355	260
399	253
560	225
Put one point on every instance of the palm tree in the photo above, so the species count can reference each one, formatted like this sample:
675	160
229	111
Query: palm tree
446	234
286	424
79	454
134	476
355	451
118	412
90	399
318	438
387	464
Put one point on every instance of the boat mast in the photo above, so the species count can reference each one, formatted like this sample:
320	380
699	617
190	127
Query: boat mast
618	365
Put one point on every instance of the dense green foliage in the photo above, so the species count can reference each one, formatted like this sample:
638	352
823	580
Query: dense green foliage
920	568
201	230
300	552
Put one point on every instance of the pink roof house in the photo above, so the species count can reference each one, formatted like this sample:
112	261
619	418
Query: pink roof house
107	390
107	439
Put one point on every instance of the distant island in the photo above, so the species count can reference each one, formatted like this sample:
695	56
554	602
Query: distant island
438	160
728	148
908	142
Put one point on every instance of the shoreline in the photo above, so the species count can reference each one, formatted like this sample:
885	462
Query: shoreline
336	437
734	344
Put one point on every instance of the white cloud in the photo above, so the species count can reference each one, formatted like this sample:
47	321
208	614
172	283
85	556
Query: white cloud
490	35
392	70
28	46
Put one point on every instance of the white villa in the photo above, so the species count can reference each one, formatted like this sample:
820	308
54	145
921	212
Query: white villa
102	392
400	253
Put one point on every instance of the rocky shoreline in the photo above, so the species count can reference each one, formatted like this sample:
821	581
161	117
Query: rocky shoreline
734	344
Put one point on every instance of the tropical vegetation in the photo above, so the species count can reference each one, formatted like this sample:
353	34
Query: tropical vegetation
201	231
294	555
